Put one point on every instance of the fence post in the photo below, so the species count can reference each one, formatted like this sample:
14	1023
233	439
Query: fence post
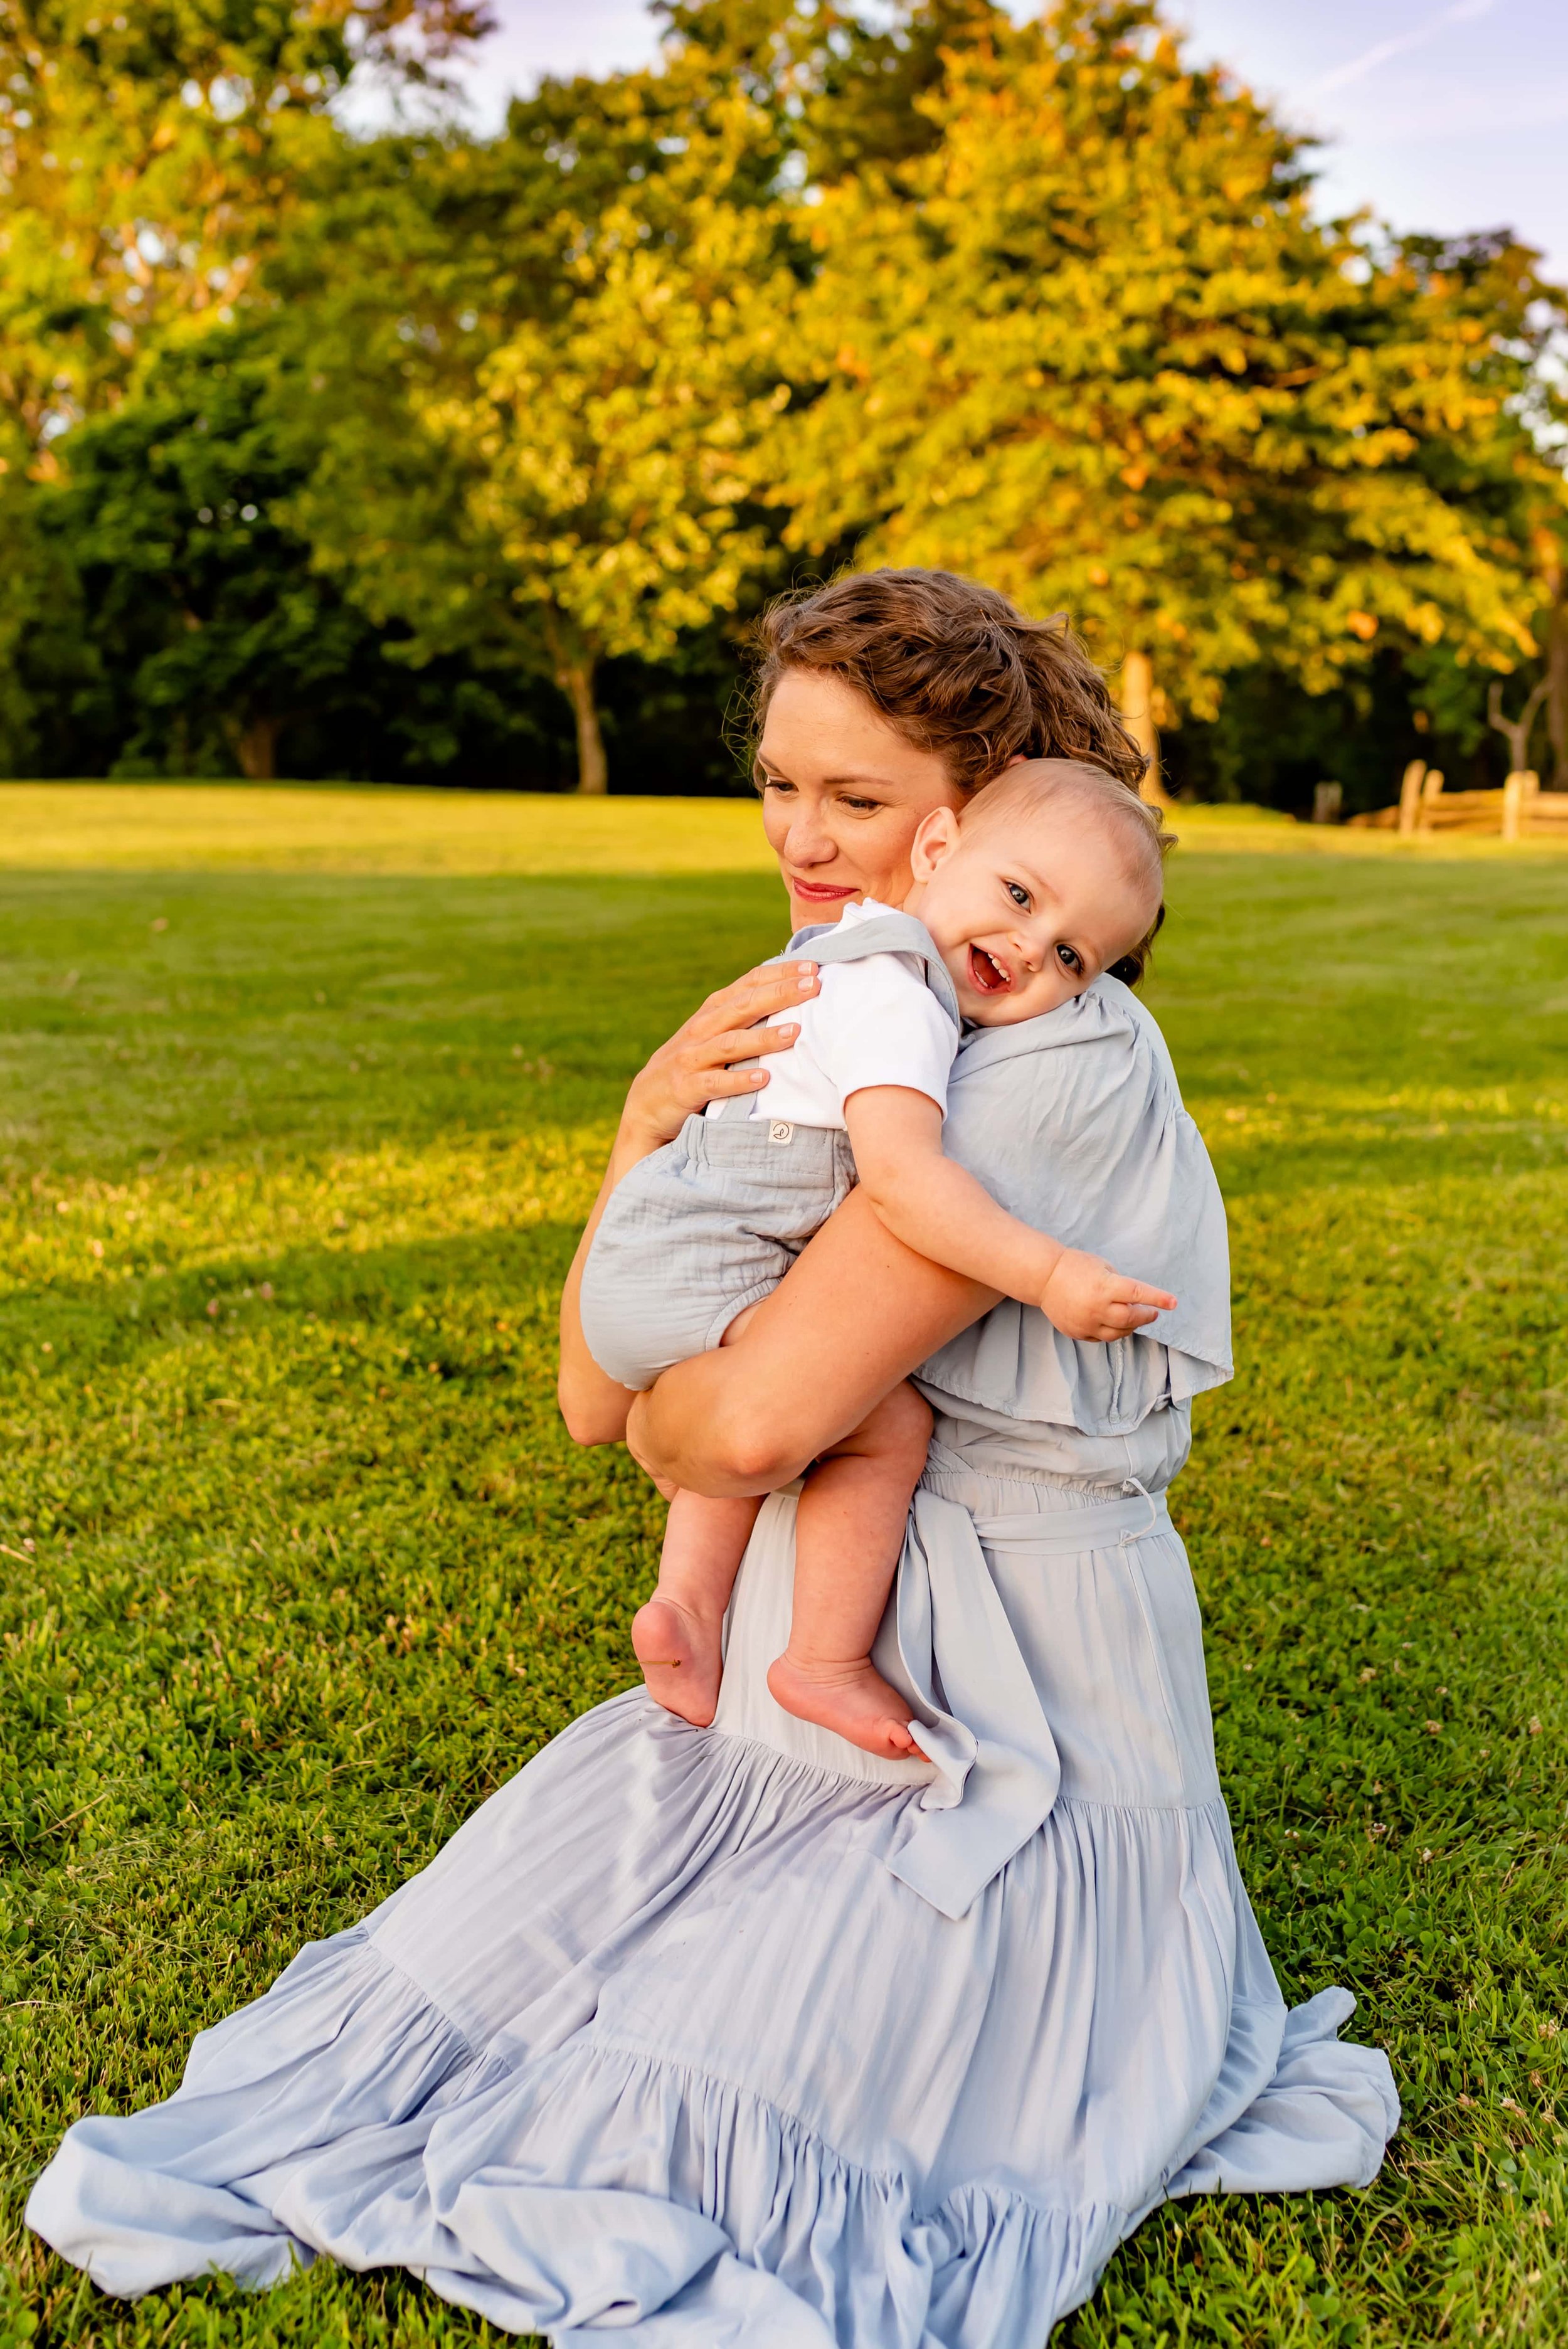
1431	789
1410	794
1514	796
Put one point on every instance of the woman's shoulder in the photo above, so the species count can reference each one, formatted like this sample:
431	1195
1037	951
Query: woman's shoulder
1075	1123
1100	1056
1084	1093
1106	1021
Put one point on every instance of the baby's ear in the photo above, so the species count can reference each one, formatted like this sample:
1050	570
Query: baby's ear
936	839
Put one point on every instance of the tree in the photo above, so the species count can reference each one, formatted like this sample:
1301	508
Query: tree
1092	345
583	366
148	159
587	358
207	629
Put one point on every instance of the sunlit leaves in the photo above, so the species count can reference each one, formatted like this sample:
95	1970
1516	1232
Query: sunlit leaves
1094	346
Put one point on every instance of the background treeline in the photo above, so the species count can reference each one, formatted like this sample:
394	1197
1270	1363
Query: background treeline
428	457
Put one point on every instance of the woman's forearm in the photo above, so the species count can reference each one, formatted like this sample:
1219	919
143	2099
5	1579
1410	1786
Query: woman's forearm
856	1312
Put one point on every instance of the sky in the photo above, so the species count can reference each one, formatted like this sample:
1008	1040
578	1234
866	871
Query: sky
1441	116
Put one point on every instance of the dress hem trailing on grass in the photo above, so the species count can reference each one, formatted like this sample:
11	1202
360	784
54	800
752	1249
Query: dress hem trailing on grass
571	2076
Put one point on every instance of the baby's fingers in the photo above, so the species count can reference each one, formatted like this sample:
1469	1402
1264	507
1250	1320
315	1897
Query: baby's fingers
1120	1319
1138	1292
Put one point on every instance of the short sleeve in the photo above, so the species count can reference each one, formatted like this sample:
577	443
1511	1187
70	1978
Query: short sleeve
879	1024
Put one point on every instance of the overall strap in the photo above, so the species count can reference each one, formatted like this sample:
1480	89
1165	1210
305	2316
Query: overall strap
882	934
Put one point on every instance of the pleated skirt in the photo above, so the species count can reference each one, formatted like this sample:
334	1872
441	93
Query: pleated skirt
659	2047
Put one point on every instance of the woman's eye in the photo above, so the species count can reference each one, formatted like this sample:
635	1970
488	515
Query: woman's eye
765	782
1018	894
862	807
1071	958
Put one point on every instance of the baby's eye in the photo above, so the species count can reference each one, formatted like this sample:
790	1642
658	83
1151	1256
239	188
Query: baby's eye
1018	894
1071	958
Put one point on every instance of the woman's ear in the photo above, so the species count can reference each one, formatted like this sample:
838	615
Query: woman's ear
935	841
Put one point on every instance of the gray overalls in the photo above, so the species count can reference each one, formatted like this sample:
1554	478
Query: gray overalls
713	1221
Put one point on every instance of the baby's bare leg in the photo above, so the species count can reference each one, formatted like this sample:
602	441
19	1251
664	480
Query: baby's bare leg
849	1531
676	1636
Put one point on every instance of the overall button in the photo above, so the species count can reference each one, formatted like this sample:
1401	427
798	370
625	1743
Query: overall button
780	1132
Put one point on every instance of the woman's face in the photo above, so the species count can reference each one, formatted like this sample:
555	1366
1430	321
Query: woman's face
843	795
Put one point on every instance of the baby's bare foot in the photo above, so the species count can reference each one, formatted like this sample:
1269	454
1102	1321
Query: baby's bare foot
851	1699
680	1657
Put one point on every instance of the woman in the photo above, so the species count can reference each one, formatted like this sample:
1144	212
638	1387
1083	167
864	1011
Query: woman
739	2035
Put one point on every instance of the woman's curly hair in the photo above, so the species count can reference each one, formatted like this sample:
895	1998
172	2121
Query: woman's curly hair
955	666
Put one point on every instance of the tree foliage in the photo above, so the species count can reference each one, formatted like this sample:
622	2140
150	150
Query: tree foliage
581	380
556	409
149	159
1093	344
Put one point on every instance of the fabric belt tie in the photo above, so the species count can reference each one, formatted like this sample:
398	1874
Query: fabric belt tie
948	1646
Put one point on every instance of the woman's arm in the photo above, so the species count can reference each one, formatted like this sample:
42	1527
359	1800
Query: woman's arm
856	1312
683	1076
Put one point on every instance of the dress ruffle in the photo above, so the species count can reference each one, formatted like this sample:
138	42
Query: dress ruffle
682	2129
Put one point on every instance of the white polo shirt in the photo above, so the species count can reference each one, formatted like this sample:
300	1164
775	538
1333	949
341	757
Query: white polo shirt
873	1022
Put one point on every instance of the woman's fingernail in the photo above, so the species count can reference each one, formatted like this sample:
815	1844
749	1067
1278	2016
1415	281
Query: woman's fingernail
790	1028
759	1076
807	983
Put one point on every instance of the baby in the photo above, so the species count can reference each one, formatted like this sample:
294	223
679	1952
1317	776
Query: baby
1046	879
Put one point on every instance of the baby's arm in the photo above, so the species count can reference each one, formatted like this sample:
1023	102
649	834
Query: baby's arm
936	1207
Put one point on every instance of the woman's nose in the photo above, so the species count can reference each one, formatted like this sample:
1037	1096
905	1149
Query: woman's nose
808	840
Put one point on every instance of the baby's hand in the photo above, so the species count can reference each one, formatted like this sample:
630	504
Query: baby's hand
1087	1298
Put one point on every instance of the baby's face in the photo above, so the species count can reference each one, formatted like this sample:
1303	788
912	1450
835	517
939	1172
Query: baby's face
1026	910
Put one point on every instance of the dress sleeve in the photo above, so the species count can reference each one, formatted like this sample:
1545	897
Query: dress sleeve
1074	1121
881	1025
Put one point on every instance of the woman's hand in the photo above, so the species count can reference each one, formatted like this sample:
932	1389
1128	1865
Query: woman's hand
696	1066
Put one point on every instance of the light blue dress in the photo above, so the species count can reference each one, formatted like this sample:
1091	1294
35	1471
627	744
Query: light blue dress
739	2039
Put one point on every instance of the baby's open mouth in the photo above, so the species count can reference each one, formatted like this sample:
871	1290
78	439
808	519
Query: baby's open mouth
986	973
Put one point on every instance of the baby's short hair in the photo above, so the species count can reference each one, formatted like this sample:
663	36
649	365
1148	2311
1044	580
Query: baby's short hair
1137	829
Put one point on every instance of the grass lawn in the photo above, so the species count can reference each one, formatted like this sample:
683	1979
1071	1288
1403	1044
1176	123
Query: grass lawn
299	1565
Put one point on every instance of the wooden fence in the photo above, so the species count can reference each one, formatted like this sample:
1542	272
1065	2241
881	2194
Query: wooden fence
1521	811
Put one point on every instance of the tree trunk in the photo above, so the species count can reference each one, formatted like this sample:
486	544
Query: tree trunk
1138	710
258	748
1516	731
1557	687
576	679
